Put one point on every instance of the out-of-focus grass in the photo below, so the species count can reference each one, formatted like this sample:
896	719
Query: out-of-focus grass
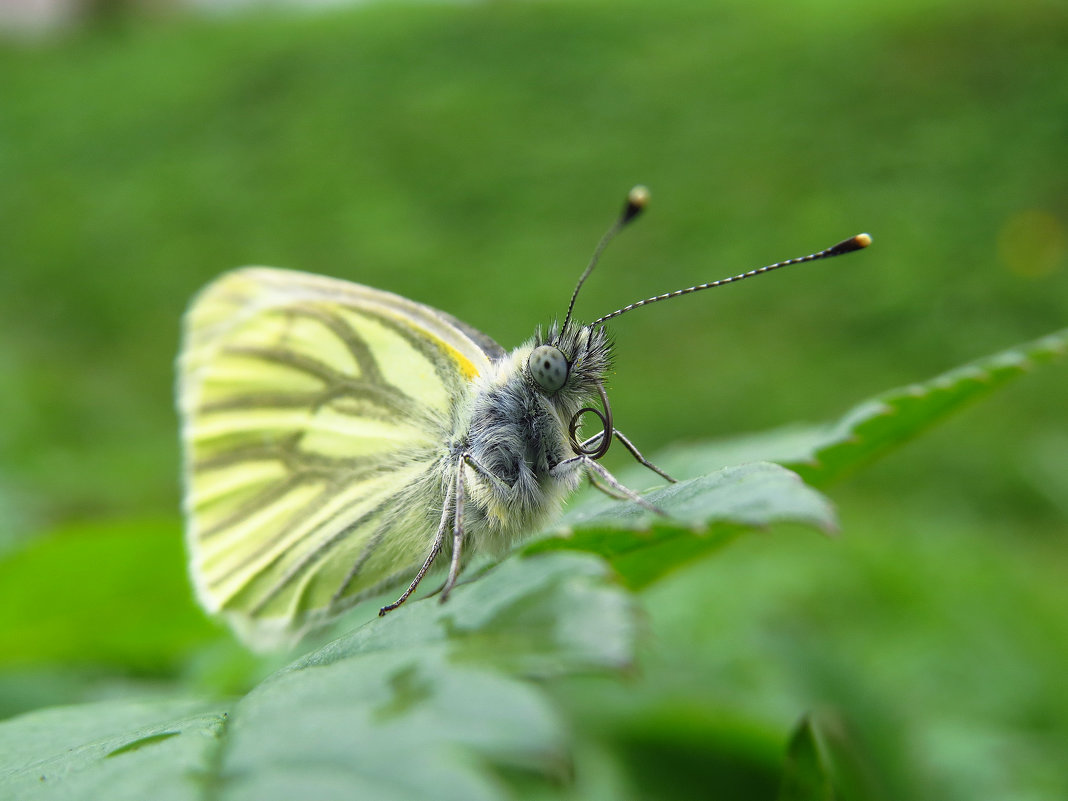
470	156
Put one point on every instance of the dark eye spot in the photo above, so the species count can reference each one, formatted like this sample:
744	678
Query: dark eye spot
548	368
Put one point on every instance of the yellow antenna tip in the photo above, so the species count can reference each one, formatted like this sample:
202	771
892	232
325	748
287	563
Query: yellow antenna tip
862	240
638	196
637	199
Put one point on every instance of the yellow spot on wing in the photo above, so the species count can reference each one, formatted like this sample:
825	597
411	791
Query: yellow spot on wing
466	367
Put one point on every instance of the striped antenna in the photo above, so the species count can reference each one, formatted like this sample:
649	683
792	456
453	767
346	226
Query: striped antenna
858	242
637	199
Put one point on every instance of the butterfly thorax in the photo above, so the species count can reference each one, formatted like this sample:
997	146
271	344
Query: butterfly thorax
520	434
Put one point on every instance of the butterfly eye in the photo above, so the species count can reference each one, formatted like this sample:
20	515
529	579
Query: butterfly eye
548	367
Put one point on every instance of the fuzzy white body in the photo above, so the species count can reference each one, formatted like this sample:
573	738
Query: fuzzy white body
520	437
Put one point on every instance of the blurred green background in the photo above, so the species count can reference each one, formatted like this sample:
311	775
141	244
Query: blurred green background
469	156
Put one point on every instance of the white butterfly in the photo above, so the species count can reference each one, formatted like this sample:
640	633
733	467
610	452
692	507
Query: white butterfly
339	439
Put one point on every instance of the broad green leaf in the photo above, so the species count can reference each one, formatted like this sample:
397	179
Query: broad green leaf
425	703
118	749
701	515
821	454
806	776
389	724
535	616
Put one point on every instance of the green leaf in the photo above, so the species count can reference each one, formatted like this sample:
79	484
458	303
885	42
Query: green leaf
701	515
428	702
806	776
822	454
112	749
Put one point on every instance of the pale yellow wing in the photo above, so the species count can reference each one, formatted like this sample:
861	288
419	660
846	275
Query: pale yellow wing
315	417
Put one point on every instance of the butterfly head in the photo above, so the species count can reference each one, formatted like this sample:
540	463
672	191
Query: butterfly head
568	365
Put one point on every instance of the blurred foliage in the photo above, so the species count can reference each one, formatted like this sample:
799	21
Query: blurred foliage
442	152
469	156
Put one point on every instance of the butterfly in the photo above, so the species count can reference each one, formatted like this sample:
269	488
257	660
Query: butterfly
340	440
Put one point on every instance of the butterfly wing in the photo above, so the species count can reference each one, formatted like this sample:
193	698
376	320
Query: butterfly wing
316	417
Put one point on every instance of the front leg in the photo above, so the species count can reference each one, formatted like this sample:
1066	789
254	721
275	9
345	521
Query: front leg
575	462
632	448
498	483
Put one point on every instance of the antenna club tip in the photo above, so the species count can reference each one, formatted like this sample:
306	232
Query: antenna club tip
638	196
637	199
851	245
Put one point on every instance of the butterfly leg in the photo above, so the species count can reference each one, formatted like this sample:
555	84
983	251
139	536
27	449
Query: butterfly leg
435	549
615	484
457	530
497	483
458	524
632	448
607	491
641	459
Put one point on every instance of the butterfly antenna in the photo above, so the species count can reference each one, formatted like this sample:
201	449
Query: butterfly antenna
858	242
637	198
